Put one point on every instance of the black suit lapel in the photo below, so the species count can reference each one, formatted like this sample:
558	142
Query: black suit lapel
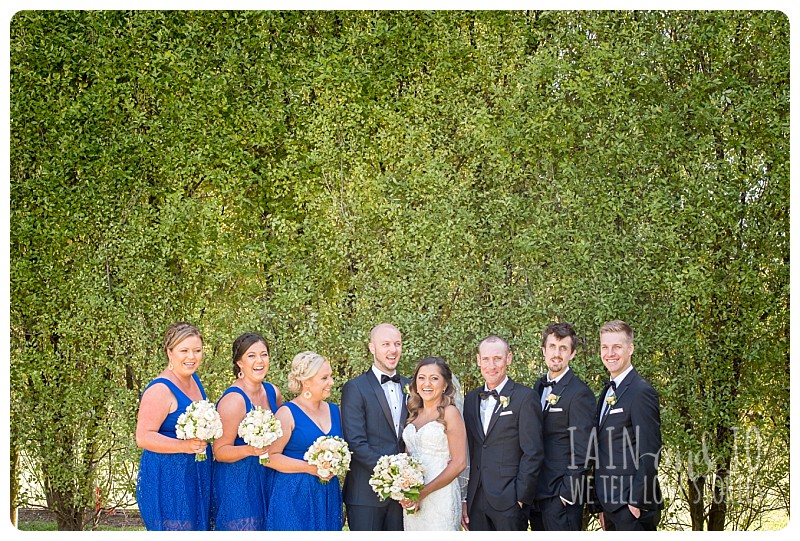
556	389
498	407
473	404
540	390
622	387
601	401
618	392
381	398
403	405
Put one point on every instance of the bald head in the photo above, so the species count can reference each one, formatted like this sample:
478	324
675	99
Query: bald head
379	328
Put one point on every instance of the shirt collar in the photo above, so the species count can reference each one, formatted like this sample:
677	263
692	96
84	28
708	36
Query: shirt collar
378	373
561	375
499	387
617	380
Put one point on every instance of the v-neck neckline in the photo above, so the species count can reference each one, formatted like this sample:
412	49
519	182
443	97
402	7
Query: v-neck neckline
323	432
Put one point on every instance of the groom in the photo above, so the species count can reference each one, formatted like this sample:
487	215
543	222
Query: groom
504	435
373	415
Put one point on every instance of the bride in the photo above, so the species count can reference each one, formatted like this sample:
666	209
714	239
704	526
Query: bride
435	435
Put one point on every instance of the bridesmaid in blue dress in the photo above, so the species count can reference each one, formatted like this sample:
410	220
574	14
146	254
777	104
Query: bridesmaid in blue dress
173	490
241	485
298	498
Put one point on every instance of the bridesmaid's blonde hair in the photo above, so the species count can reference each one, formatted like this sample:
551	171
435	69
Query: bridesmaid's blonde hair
177	333
305	365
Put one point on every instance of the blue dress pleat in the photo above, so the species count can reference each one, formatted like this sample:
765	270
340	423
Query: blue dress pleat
240	491
174	490
300	501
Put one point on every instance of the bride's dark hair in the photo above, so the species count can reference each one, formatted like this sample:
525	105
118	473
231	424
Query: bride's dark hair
414	403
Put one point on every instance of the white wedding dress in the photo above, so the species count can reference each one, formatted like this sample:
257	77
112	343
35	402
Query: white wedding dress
440	510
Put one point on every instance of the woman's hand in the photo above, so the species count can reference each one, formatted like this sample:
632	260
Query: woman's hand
258	451
409	504
194	446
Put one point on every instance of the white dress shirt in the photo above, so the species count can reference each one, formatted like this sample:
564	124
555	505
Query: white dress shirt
394	396
617	380
547	390
488	405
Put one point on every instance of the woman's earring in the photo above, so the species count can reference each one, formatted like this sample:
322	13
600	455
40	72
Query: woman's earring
240	375
169	366
307	394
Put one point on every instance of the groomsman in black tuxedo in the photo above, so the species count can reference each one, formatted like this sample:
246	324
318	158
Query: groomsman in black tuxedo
628	439
504	435
373	415
568	420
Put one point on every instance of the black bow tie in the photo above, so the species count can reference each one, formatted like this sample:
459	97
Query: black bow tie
548	383
486	394
611	383
385	378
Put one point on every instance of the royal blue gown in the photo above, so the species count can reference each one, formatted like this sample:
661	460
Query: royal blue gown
173	490
240	489
300	501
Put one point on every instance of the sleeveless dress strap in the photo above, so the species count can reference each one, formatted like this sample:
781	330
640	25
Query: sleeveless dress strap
171	386
247	403
294	408
174	388
200	385
272	396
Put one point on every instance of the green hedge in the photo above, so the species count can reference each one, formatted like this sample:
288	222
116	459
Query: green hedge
310	174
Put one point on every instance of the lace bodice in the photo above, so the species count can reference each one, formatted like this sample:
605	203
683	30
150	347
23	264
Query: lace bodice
429	445
442	509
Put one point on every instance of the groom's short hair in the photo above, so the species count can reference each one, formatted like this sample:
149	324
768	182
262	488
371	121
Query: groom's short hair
493	339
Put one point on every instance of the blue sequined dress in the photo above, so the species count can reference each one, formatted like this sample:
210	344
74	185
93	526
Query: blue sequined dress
300	501
173	490
240	489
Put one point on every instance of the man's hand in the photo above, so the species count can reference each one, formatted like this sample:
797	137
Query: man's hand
464	516
635	511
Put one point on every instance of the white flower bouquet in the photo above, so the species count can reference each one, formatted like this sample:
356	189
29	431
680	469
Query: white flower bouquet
260	428
331	456
200	420
398	476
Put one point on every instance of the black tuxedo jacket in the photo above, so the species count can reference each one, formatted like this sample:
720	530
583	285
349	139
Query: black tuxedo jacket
505	462
567	433
629	447
369	431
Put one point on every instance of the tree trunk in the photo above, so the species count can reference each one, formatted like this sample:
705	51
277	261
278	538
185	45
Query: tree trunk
719	503
14	485
696	489
68	517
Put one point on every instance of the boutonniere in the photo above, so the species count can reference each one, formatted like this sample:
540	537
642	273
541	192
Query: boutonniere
611	399
504	400
407	388
552	399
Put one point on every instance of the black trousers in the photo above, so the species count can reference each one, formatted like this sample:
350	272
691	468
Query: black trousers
483	517
623	520
550	514
375	519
